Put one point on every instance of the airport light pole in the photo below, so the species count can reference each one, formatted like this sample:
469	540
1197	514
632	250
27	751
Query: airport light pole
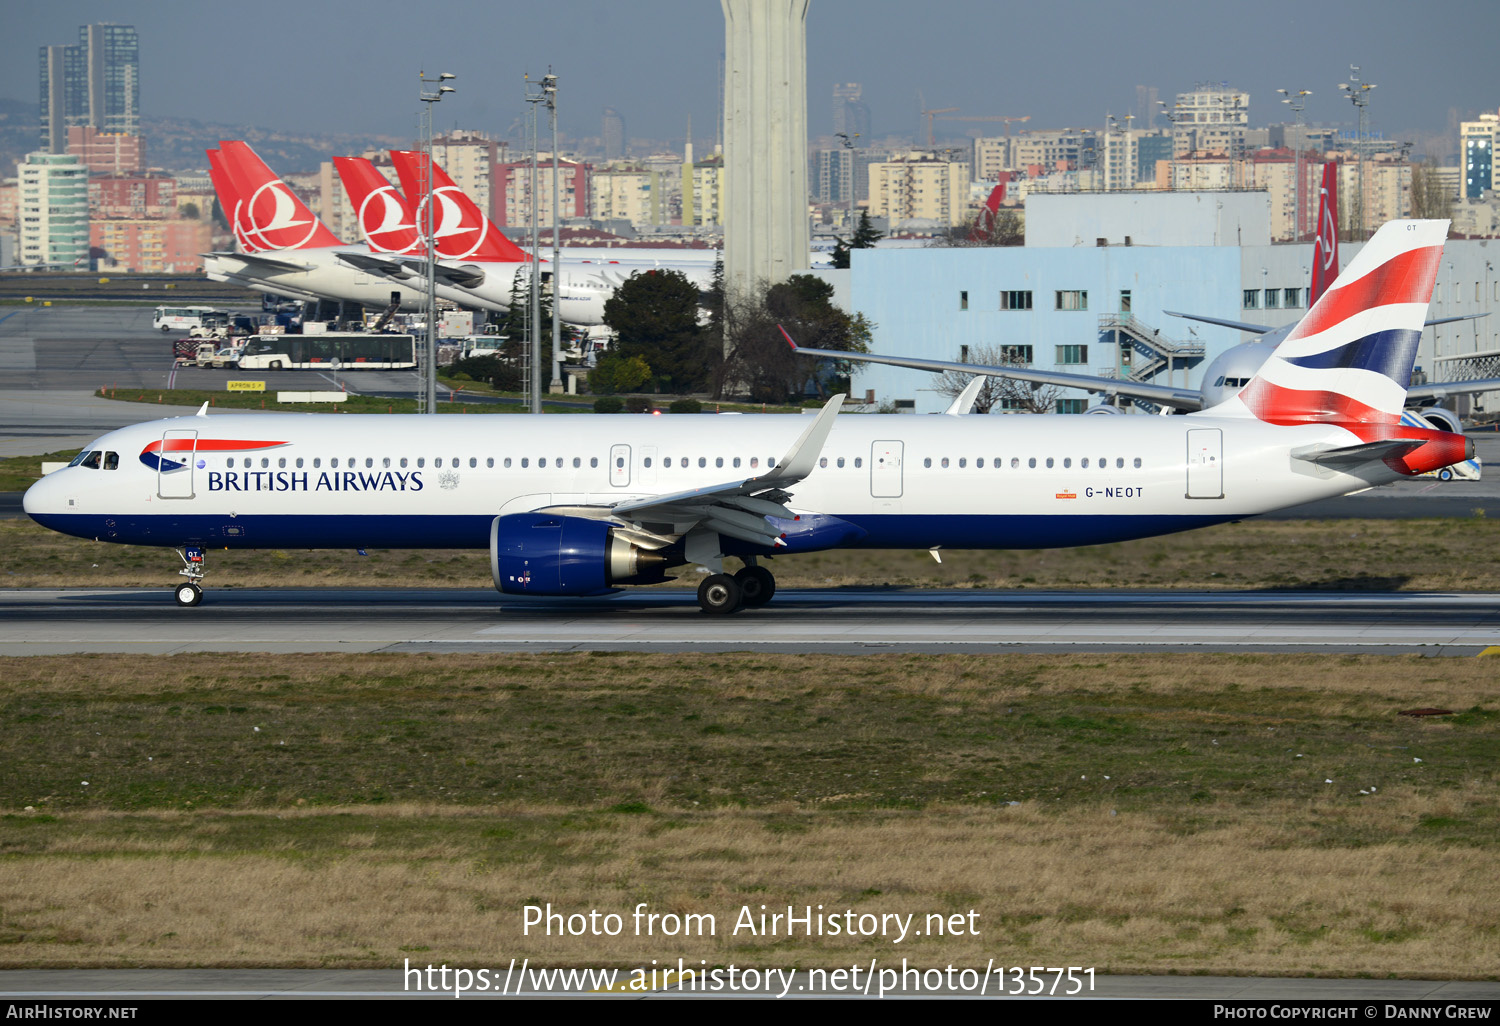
549	89
1359	94
534	340
429	390
1298	102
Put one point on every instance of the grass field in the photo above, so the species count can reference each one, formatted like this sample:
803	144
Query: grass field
1136	813
1356	555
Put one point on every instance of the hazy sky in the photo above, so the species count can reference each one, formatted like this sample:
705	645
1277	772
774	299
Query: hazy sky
332	65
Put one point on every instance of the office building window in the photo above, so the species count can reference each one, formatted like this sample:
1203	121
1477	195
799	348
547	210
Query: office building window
1072	299
1015	300
1072	354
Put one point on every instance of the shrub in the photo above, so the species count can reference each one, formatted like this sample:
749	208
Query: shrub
608	404
686	406
638	404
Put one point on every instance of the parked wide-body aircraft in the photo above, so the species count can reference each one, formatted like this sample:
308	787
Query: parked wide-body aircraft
1228	372
283	248
591	503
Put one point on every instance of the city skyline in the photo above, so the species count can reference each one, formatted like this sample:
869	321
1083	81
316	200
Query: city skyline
365	81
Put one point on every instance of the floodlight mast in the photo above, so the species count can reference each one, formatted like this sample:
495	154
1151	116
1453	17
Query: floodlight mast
1297	101
428	403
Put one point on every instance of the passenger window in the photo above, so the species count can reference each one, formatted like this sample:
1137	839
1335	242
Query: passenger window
703	461
962	462
577	462
488	462
1049	462
403	463
619	462
771	462
754	462
421	462
473	462
1067	462
1031	462
281	462
841	463
736	461
265	461
525	462
927	461
299	462
647	461
594	461
859	461
822	461
979	463
718	461
317	462
1084	463
1138	462
945	463
1119	463
507	463
1015	461
438	462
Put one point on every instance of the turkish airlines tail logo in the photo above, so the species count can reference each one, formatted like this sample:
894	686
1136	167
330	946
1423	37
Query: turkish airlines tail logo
1326	248
460	231
267	214
385	217
984	224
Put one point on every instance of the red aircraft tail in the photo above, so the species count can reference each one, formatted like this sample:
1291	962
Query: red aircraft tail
1326	248
984	224
386	219
269	215
229	198
460	229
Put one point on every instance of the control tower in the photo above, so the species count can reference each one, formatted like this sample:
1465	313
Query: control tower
765	140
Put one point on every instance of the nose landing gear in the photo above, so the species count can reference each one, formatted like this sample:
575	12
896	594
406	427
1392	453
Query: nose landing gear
190	592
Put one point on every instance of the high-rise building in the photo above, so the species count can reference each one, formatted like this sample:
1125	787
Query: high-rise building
612	129
851	116
1210	119
512	191
95	82
54	210
917	187
1476	150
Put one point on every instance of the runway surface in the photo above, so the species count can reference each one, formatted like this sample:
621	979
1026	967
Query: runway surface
834	621
124	985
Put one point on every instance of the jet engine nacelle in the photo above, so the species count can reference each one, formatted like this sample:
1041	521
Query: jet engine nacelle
1440	418
552	554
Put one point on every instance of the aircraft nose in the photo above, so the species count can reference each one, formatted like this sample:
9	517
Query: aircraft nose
43	497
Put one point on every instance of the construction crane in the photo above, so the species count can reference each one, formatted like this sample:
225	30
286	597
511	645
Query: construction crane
928	114
993	117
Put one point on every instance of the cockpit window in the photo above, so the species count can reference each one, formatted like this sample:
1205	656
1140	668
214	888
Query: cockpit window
78	460
111	461
91	460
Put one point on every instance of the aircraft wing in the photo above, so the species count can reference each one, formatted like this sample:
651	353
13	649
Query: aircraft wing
738	509
1255	329
403	268
1163	395
261	262
372	263
1440	390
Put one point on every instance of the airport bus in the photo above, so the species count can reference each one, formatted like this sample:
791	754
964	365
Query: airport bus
331	351
182	319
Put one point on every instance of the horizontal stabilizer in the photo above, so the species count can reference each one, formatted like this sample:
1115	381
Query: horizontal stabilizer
1357	455
1223	322
263	262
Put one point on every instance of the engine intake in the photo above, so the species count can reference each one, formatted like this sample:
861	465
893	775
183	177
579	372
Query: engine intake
549	554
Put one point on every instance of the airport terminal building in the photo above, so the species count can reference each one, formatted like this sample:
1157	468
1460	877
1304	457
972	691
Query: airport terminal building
1090	291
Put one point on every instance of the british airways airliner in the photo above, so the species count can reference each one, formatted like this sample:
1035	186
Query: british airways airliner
593	503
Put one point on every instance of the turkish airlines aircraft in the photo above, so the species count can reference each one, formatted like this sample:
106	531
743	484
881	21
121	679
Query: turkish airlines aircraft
1228	372
465	237
591	503
284	248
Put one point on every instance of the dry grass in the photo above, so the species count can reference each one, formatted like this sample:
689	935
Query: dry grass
1386	555
1171	812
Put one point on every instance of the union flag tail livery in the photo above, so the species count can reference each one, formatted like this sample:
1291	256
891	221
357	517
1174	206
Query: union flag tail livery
460	229
386	220
1326	245
1348	362
268	215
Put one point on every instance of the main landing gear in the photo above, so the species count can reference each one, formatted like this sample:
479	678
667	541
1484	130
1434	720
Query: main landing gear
721	593
190	591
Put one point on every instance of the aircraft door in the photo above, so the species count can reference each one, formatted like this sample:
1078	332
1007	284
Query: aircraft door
619	465
175	464
1205	463
885	469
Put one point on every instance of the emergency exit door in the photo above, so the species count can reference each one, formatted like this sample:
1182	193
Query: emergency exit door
175	464
885	469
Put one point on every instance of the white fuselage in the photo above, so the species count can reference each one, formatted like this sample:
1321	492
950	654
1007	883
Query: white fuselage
317	481
324	277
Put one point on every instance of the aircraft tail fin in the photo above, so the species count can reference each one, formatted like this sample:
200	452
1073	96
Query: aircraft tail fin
229	198
1326	247
1348	362
386	220
984	224
460	229
269	215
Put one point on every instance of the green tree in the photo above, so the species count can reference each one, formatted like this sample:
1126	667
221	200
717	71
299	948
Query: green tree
190	211
865	237
654	315
760	360
616	373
